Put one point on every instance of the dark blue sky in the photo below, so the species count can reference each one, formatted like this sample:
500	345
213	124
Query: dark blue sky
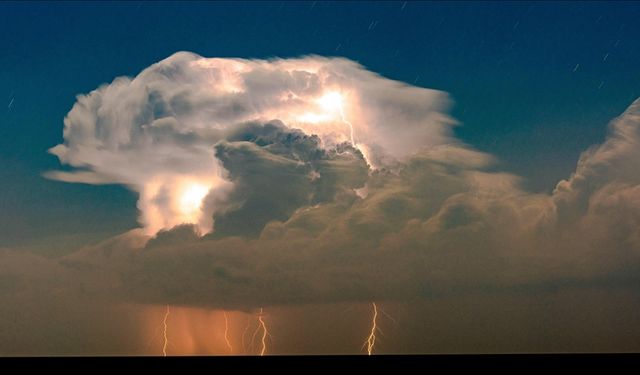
533	83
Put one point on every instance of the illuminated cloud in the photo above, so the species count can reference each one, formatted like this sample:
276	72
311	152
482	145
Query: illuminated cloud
157	133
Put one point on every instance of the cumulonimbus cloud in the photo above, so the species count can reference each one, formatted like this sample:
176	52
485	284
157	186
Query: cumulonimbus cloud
327	182
156	133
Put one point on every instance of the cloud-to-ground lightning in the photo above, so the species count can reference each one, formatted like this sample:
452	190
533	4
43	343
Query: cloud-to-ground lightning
264	333
371	339
166	340
226	333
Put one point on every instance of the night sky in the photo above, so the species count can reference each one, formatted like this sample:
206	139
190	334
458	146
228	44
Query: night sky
534	84
509	67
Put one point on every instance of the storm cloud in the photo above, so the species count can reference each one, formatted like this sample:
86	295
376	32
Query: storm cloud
157	133
369	198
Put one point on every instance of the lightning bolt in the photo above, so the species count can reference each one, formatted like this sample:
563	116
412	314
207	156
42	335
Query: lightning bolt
371	339
344	119
264	333
166	340
226	333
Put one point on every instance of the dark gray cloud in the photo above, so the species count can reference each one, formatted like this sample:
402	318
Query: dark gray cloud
276	171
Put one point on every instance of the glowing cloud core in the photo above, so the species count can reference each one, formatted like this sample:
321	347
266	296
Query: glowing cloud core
331	102
191	201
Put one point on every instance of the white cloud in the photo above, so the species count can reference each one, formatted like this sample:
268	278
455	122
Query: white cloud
156	133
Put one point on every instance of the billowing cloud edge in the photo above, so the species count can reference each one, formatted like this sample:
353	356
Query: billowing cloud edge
432	222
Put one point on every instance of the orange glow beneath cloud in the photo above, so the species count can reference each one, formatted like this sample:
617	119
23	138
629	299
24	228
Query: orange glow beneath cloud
191	331
179	331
